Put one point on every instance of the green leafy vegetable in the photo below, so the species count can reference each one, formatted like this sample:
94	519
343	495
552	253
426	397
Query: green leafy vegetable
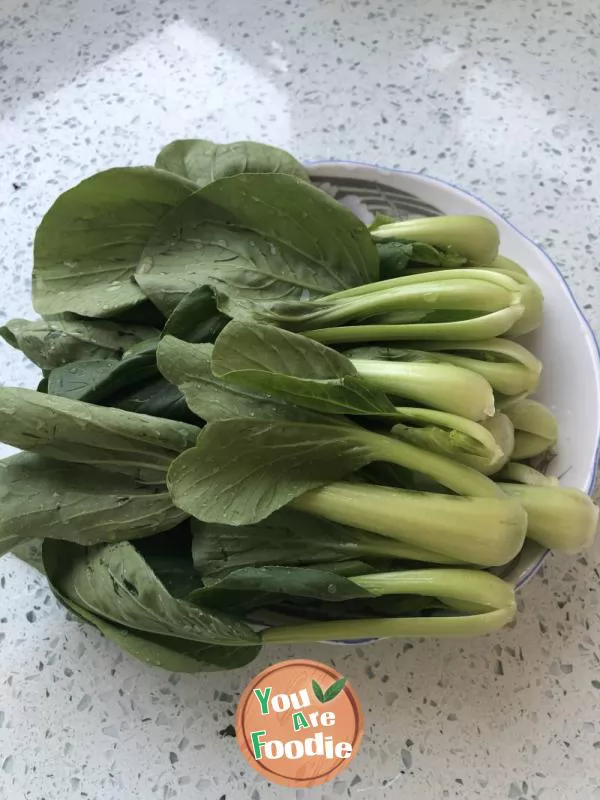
476	238
287	365
188	366
396	257
491	602
291	538
95	381
60	500
203	162
155	398
485	326
201	463
50	343
196	318
69	430
255	586
256	239
473	530
89	243
242	470
425	297
114	582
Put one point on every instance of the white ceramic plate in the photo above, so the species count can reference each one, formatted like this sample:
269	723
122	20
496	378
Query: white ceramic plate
566	345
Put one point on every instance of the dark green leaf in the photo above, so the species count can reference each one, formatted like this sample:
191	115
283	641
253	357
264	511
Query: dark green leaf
243	470
95	381
146	313
203	161
114	582
287	537
256	239
254	586
50	343
409	605
436	257
396	257
196	318
318	692
188	366
69	430
156	398
169	556
332	691
89	243
305	609
298	370
58	500
169	652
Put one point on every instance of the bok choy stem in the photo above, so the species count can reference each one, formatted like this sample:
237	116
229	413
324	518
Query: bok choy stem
472	236
485	326
486	531
461	294
443	386
469	587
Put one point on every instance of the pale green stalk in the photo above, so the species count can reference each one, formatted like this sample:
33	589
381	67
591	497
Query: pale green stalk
474	430
503	432
443	386
480	327
469	587
483	446
519	373
486	531
461	294
507	264
522	473
472	236
488	276
456	477
536	428
533	300
559	518
393	627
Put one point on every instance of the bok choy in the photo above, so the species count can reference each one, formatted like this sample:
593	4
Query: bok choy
261	421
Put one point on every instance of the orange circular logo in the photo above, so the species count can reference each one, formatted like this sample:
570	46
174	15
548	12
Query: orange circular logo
299	723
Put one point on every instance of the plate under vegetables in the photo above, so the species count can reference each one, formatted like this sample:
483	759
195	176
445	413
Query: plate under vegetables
280	405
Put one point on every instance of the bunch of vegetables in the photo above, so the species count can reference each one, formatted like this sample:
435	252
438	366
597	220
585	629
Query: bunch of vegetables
261	421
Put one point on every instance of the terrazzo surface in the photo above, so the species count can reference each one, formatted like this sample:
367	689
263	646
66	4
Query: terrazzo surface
501	98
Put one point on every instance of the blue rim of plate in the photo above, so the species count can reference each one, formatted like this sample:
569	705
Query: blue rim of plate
593	477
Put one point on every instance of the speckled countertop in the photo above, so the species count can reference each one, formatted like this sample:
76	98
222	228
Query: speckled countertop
502	98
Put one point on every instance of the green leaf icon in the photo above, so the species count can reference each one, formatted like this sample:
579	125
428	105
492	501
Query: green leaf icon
329	694
334	689
318	692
